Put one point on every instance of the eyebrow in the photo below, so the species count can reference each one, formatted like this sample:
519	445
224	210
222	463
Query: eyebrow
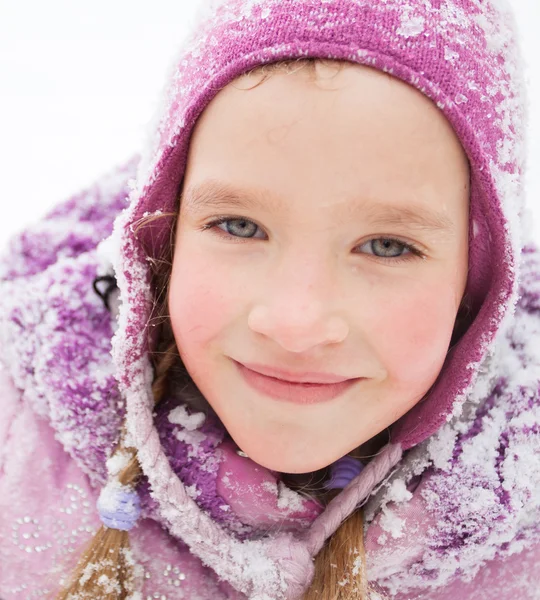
215	194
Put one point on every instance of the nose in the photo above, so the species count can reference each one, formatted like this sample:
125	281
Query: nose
299	312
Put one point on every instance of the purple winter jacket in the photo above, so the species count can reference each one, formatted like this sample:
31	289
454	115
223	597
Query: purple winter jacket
453	502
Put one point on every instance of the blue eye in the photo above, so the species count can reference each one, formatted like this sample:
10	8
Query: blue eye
240	229
382	247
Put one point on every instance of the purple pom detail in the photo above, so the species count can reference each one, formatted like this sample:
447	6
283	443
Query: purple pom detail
342	472
119	509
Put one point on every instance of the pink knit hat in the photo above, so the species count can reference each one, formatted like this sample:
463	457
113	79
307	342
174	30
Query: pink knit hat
459	53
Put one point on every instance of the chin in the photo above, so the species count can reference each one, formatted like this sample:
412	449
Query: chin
285	464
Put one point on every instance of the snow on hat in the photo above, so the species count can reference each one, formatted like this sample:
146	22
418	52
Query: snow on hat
461	54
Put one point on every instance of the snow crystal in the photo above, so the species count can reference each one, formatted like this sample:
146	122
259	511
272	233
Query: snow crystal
288	498
450	55
270	486
358	566
391	523
398	492
441	447
109	585
155	213
87	572
104	250
411	26
118	462
180	416
193	491
211	464
193	438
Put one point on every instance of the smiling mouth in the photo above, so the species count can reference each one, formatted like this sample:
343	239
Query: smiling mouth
295	392
291	377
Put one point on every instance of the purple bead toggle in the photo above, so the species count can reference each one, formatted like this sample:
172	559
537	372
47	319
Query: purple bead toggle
342	472
119	509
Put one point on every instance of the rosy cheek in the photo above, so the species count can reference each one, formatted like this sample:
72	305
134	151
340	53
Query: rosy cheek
199	305
414	336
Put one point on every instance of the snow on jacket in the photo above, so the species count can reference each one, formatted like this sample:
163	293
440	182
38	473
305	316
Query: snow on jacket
455	512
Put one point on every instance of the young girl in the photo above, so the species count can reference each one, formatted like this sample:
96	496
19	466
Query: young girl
302	362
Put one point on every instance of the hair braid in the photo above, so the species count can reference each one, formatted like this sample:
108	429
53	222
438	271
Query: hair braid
106	569
340	564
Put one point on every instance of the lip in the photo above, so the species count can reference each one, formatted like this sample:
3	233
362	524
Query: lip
289	377
297	393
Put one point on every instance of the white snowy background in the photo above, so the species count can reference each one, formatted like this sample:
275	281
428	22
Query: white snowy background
79	82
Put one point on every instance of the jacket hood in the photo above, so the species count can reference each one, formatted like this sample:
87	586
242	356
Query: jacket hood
461	54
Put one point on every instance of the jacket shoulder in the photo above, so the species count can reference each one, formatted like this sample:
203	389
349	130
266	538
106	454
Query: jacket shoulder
72	227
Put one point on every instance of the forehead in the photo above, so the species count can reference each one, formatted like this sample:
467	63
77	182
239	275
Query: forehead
361	140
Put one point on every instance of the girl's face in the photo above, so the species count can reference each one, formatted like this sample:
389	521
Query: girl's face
345	251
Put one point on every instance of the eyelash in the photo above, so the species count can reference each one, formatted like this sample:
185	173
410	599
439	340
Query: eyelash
415	252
